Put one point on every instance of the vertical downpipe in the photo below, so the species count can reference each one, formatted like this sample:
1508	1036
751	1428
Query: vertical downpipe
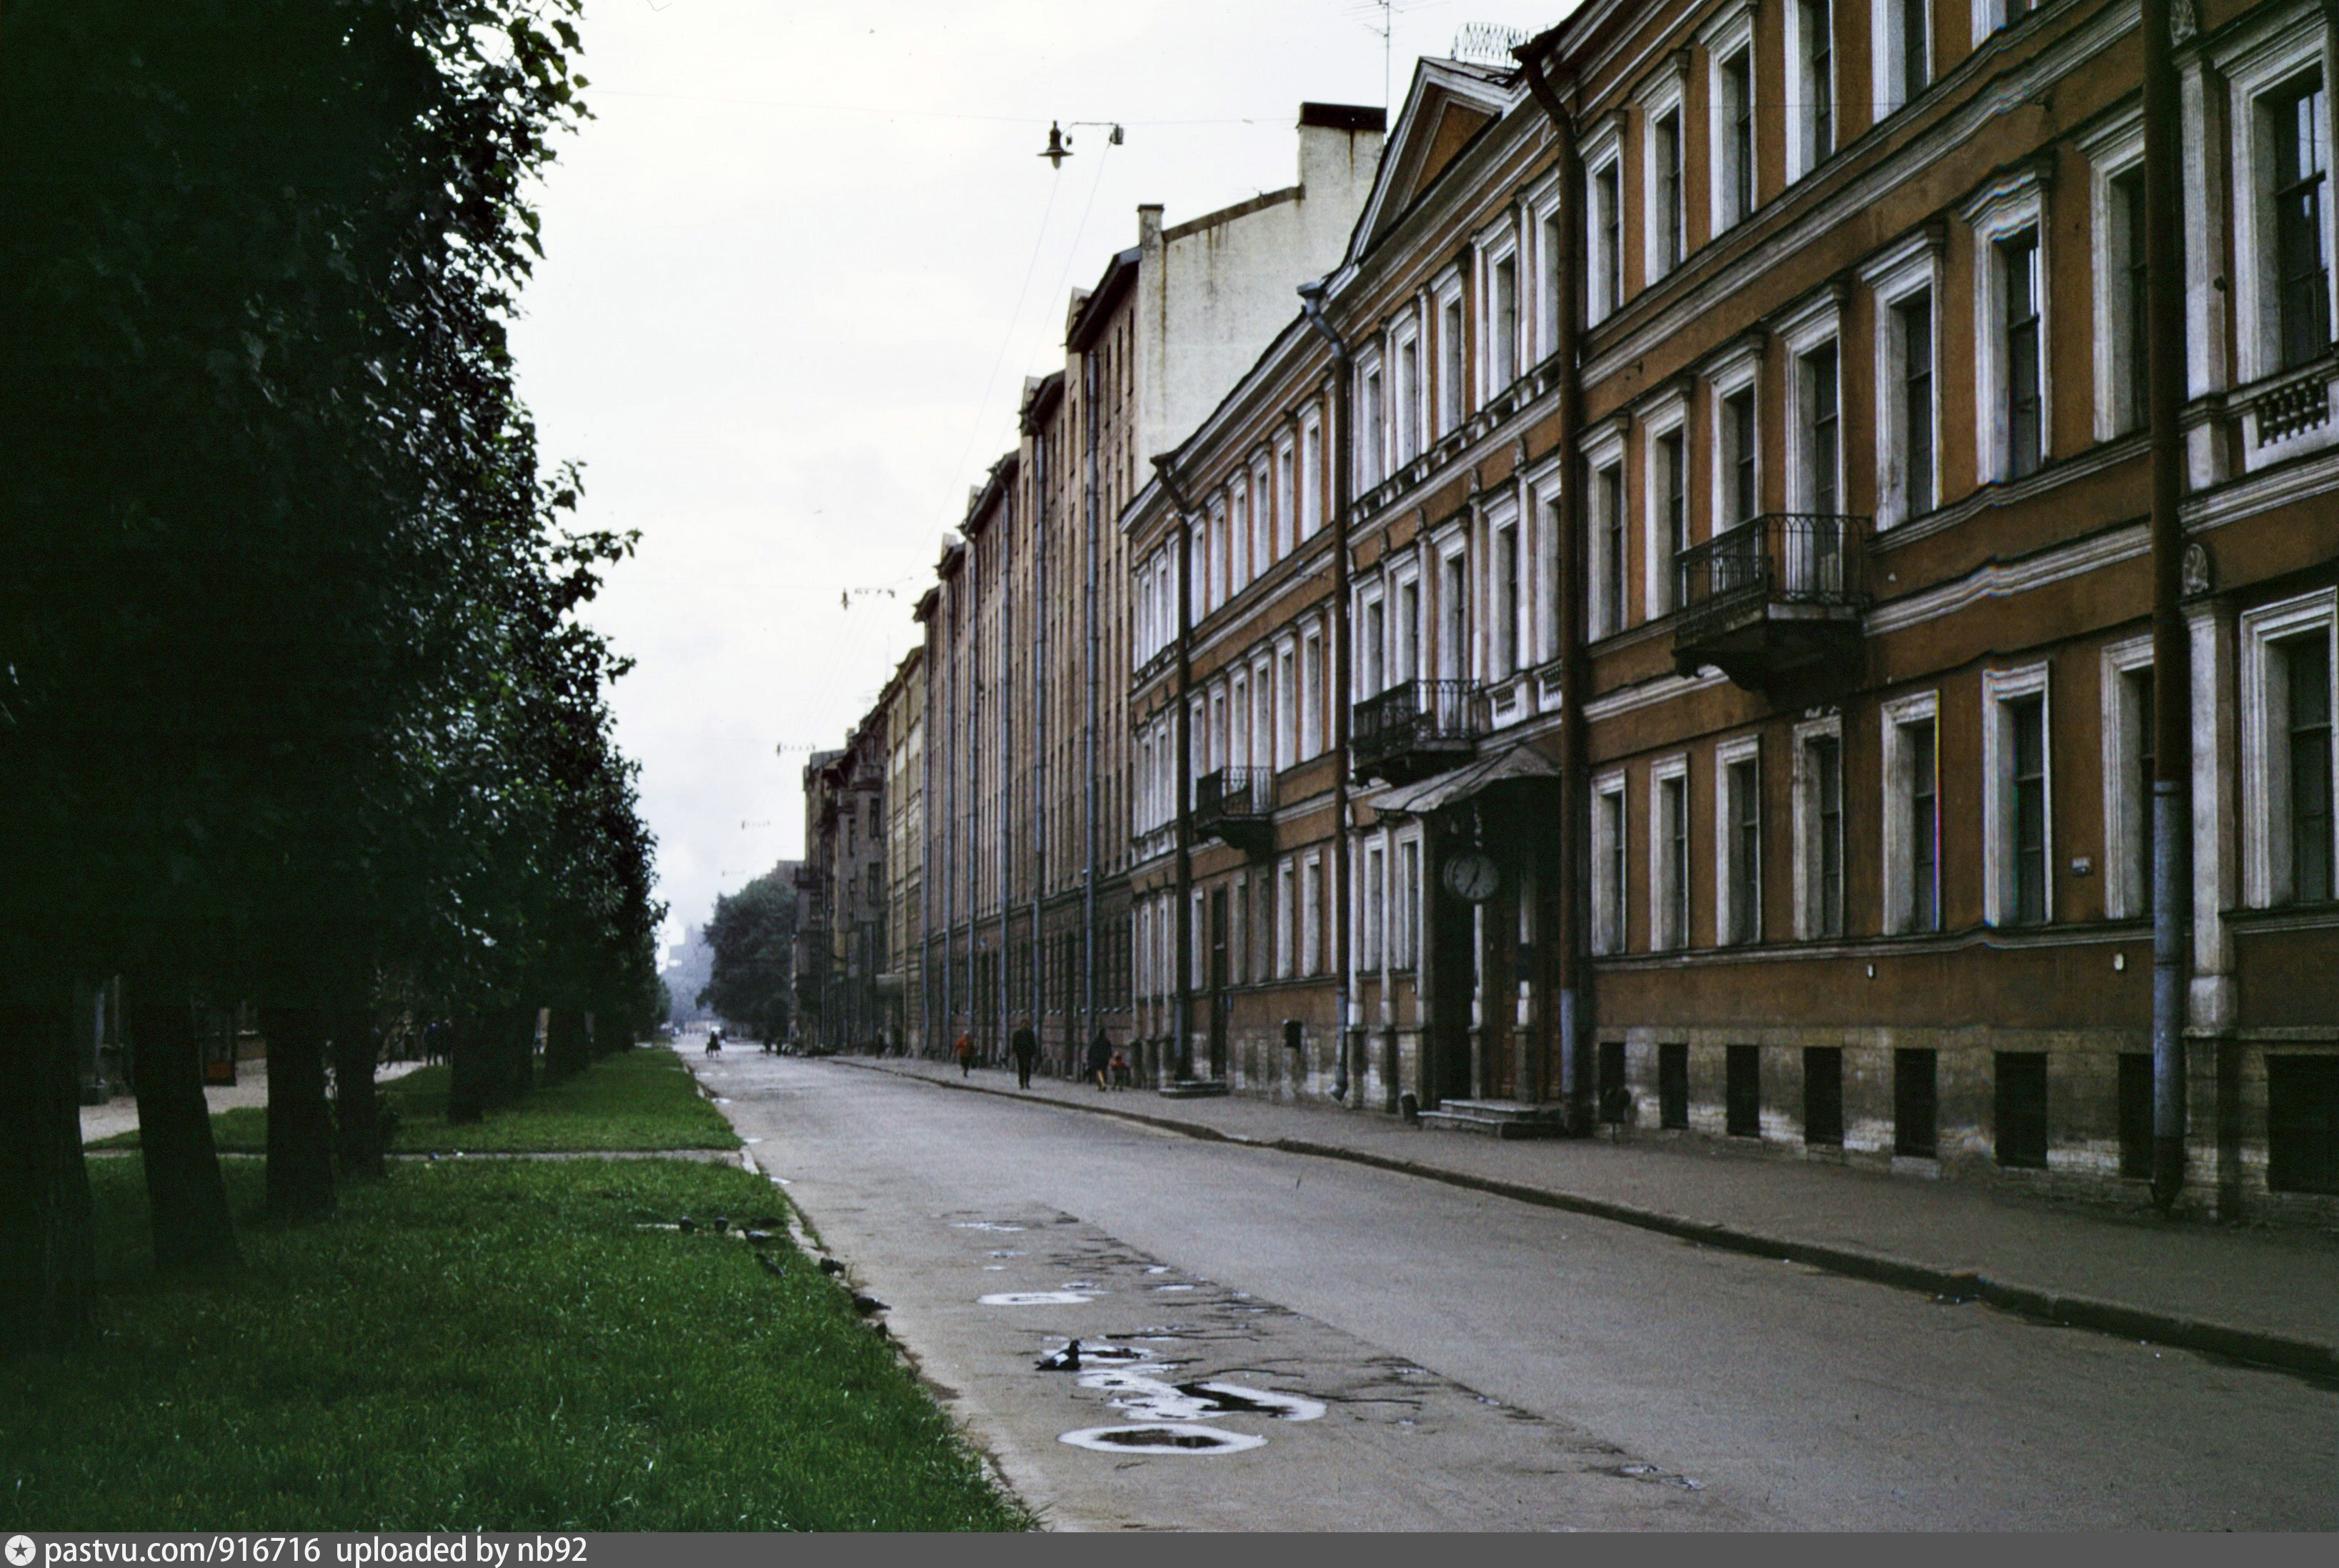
1181	1021
2172	768
1006	524
1567	904
1040	478
1089	878
1311	302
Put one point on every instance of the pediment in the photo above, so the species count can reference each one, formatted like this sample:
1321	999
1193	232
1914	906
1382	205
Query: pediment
1449	103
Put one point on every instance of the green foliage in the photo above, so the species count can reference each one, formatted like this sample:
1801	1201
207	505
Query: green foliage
492	1345
752	936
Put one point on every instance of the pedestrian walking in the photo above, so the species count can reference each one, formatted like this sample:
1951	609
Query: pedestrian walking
965	1052
1099	1058
1025	1048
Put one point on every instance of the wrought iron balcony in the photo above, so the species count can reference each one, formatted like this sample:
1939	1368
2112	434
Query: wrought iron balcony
808	876
1774	602
1416	728
1237	806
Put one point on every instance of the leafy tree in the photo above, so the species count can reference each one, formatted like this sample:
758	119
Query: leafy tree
753	937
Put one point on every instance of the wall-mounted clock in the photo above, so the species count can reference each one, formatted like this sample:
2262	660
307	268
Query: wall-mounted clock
1473	876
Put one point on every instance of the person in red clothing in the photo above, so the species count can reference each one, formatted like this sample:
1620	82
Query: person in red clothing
965	1052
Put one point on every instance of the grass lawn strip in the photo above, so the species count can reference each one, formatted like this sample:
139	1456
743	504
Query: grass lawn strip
639	1098
498	1346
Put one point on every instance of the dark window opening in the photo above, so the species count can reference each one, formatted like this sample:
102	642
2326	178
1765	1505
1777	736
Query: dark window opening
1743	1091
2025	402
2136	324
1745	852
1823	1095
1821	429
1916	1103
1924	830
1818	45
2136	1115
1615	1099
1673	458
2026	721
2022	1109
1738	81
1916	319
2307	665
1738	425
1673	1085
1611	544
2303	1123
2301	275
1827	867
2140	811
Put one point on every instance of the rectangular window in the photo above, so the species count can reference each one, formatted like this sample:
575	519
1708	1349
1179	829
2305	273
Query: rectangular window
1506	605
2025	404
1915	55
1311	915
1821	428
1673	1085
1375	430
1408	631
1408	893
1311	481
1287	909
1608	605
2303	1123
1375	909
1916	1101
1608	862
1924	910
1283	502
2137	697
1608	234
2131	349
1408	401
1823	1095
1449	365
2021	1083
1913	319
1311	695
1738	436
1741	785
1675	868
1505	323
1743	1091
1816	37
1673	510
1453	609
1824	778
1614	1099
2295	125
1670	236
2026	731
1374	681
1737	138
2307	683
2136	1115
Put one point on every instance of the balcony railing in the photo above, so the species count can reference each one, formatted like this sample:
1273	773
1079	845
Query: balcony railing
1773	597
1416	727
1235	804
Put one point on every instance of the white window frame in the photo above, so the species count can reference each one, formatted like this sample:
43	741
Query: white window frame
1311	473
2127	798
1609	823
1287	910
1452	663
1731	374
1605	449
1802	155
1262	521
1541	485
2000	687
1898	715
1375	900
1372	420
1806	827
1502	516
1312	678
1370	661
2113	154
1449	313
1729	35
1311	914
2262	68
1728	755
1666	415
1405	421
1812	325
1889	90
1994	15
1663	937
1499	243
1544	222
1405	933
2265	761
1910	268
1286	479
2004	208
1405	640
1603	152
1665	96
1287	703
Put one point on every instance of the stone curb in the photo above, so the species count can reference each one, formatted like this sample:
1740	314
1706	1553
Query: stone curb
2287	1353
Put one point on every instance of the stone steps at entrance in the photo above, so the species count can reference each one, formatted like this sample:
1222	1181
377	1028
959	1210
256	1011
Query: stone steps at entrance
1193	1088
1495	1117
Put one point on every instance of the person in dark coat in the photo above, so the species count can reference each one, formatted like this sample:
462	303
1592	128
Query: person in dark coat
1025	1049
1099	1058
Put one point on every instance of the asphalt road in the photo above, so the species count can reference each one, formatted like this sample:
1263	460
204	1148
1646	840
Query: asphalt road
1480	1364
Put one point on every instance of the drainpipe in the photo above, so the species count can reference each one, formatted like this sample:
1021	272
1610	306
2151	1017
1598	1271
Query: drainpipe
1041	479
2172	765
1181	1021
1311	303
1089	877
1006	524
1574	1023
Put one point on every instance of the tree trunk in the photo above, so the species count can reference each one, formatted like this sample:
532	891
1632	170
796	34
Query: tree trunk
48	1268
187	1198
300	1124
357	1111
519	1054
467	1071
566	1049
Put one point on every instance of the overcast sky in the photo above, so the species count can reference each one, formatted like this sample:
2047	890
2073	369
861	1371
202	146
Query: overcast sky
798	267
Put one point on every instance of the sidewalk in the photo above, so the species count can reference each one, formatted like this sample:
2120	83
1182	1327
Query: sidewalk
2266	1296
119	1114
